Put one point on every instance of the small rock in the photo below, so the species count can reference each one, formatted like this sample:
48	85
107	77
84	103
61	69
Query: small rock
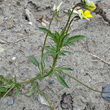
106	95
50	87
22	73
36	98
30	50
64	75
36	24
6	37
86	74
51	81
3	29
30	23
14	58
10	102
66	101
10	24
46	71
1	49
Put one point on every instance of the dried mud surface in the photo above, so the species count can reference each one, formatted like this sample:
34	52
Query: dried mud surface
22	39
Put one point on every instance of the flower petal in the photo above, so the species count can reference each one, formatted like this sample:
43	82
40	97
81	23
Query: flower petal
87	14
54	7
87	2
59	6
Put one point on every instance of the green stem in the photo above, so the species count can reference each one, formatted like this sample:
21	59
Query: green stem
13	85
83	83
44	96
53	66
47	33
57	48
69	25
28	81
45	42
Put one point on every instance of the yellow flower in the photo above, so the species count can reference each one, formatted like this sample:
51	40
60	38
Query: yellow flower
90	5
84	15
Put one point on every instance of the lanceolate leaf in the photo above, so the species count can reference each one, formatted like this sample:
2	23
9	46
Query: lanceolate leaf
63	68
75	38
61	81
65	51
57	35
45	55
3	89
45	31
33	60
30	91
69	69
62	39
61	53
16	92
38	76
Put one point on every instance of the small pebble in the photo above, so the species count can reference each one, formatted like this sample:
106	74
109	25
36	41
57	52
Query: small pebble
30	50
35	41
3	29
51	81
86	74
14	58
6	37
36	98
61	28
106	95
22	53
30	23
50	87
10	102
36	24
24	40
64	75
22	73
46	71
86	26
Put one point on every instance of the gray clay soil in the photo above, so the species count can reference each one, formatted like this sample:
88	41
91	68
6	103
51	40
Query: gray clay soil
22	39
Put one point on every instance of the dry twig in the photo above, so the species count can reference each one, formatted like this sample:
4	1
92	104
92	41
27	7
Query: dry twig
99	10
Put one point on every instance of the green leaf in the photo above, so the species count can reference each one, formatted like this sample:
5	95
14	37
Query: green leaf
69	69
61	81
3	89
16	92
30	91
2	79
57	35
45	55
52	73
63	39
38	76
47	47
63	68
75	38
65	51
33	60
46	31
61	53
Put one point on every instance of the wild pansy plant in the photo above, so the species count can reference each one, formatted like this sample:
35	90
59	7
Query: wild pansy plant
56	51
